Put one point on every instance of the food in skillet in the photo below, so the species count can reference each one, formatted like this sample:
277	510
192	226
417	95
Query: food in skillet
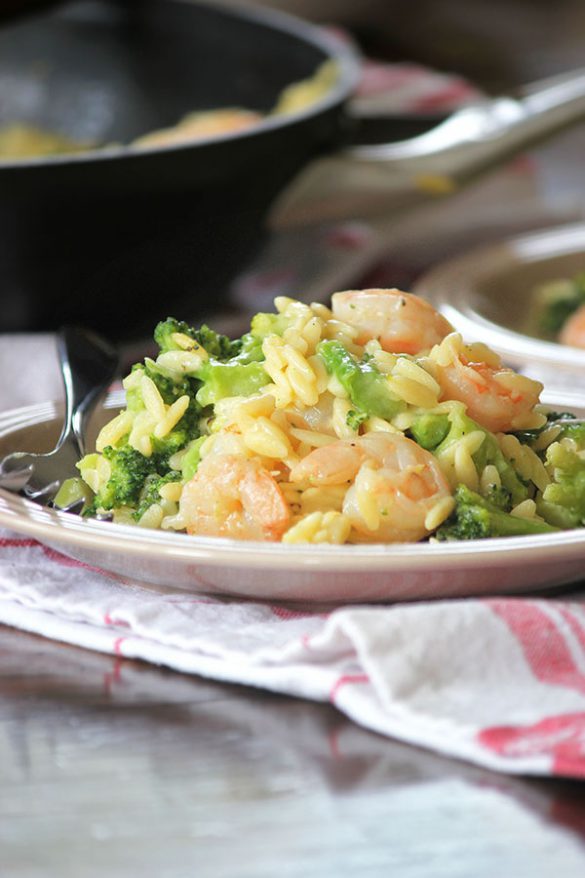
369	422
560	308
24	140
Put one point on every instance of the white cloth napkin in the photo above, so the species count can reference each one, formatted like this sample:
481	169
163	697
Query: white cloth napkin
497	682
500	683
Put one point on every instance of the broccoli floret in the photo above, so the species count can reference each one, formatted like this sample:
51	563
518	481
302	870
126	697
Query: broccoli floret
129	469
527	437
488	453
72	492
499	497
430	429
250	349
216	345
150	492
268	324
232	368
573	429
562	299
563	500
191	458
570	428
232	378
164	331
475	518
367	388
170	389
354	419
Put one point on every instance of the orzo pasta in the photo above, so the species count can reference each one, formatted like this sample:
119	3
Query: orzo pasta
367	422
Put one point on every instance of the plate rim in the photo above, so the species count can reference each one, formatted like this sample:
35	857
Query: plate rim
447	285
62	528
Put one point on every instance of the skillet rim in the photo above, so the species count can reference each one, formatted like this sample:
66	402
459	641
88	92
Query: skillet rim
330	44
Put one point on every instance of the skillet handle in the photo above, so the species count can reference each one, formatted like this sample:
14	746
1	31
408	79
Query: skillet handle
369	180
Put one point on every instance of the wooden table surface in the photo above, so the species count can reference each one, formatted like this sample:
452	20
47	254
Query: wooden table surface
111	767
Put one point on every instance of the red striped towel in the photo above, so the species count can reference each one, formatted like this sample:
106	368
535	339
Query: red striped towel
500	683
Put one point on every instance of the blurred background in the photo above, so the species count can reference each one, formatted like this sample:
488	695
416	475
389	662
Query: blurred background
420	60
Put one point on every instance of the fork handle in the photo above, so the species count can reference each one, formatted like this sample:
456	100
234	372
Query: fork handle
88	366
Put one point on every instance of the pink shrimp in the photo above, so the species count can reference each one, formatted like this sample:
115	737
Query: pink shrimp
233	496
497	398
393	484
573	332
402	322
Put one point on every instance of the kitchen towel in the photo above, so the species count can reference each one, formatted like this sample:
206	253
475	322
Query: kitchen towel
498	682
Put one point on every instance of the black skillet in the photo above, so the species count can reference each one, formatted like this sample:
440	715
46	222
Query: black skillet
116	238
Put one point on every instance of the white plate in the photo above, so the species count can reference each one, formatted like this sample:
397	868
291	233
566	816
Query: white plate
487	295
275	571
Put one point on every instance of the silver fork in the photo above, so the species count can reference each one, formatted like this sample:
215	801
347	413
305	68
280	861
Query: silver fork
88	365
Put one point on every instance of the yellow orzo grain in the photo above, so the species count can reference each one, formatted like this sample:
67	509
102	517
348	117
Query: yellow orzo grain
490	478
526	462
311	438
264	437
526	509
439	513
152	518
114	430
448	350
341	409
171	491
152	399
319	527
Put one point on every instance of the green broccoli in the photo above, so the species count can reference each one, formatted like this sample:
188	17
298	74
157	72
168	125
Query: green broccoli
191	458
570	428
460	424
499	497
150	492
250	349
129	470
475	518
268	324
231	378
561	300
563	500
216	345
368	388
430	429
170	389
73	491
353	419
573	429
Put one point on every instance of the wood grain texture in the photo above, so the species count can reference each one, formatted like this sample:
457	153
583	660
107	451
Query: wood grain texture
111	767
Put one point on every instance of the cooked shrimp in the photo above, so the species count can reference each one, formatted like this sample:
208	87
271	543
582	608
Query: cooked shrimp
497	398
393	484
233	496
402	322
573	332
